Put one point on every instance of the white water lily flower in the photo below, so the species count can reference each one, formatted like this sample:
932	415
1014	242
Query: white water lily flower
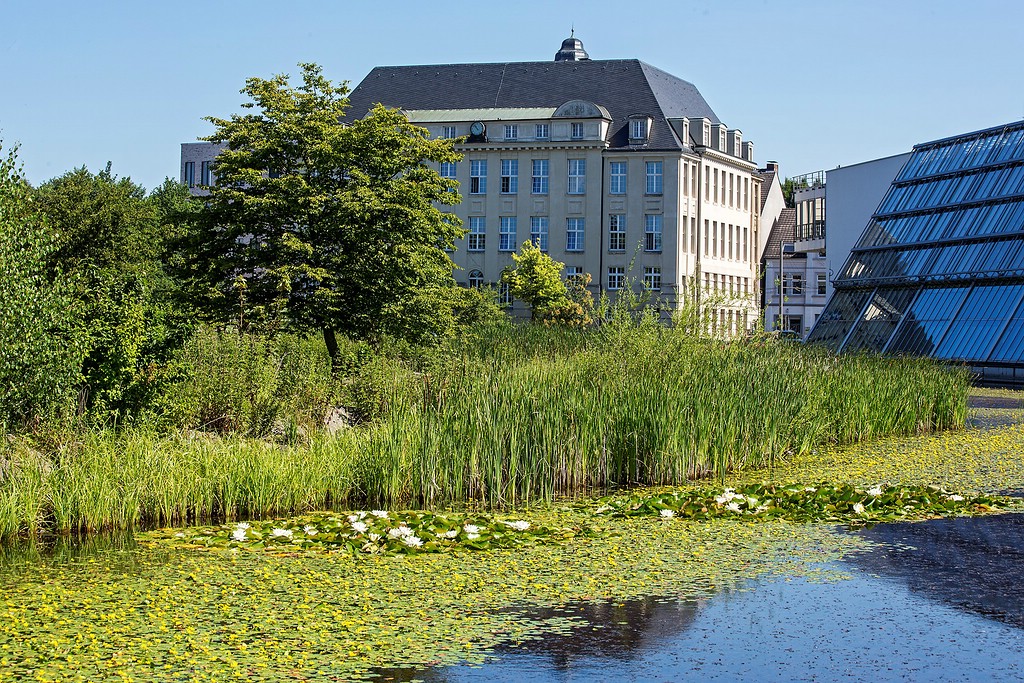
374	537
667	514
603	509
179	535
401	531
760	509
875	492
471	529
520	525
359	527
309	530
238	534
858	508
383	514
353	518
412	541
281	533
810	489
471	536
751	501
955	498
242	525
721	500
734	506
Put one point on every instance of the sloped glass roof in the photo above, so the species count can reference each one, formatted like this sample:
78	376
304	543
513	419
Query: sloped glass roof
939	269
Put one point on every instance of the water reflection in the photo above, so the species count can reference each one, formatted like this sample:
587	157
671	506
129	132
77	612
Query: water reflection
975	564
29	554
935	601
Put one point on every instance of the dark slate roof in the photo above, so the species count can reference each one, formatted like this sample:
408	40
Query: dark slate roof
622	86
784	230
766	181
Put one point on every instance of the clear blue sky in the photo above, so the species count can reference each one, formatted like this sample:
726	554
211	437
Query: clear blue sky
814	84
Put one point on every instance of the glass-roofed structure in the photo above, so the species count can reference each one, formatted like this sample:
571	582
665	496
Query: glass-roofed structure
939	270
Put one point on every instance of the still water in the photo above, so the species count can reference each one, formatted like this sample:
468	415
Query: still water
933	601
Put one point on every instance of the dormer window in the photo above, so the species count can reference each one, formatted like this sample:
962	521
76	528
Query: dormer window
576	131
638	128
543	131
512	132
707	134
448	132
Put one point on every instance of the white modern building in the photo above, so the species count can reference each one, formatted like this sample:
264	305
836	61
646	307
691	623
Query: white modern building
614	167
808	244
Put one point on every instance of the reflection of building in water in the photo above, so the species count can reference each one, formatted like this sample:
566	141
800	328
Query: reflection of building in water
601	629
976	564
939	270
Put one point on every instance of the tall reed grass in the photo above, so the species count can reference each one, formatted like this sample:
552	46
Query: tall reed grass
507	416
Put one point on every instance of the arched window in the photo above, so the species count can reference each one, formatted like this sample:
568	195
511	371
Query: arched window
476	279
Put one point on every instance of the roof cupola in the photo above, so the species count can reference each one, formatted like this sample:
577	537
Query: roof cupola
572	50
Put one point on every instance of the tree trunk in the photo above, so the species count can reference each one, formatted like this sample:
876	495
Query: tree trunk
331	341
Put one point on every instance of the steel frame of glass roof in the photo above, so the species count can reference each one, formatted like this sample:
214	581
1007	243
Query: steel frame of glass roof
939	269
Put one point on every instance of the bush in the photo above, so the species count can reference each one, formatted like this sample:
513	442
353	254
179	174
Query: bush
40	348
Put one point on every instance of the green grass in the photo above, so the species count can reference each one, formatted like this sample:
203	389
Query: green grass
504	418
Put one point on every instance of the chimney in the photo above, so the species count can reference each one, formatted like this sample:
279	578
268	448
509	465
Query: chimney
772	166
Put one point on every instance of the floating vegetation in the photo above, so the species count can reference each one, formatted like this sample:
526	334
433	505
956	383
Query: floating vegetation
175	614
821	502
375	532
990	460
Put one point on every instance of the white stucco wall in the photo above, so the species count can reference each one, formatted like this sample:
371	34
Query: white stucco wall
852	193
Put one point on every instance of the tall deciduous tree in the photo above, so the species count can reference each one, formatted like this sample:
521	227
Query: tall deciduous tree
108	238
40	352
315	223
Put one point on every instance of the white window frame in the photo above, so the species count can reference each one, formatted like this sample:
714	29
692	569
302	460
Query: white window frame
616	277
478	176
476	240
617	232
822	282
475	280
539	232
576	131
543	131
638	129
653	230
541	171
577	181
448	132
655	177
507	234
505	295
652	278
618	172
511	131
575	234
509	176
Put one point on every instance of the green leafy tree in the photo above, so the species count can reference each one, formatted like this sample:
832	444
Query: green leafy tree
318	225
537	280
109	239
40	351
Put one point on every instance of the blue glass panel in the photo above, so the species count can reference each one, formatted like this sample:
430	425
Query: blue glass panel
1010	348
839	315
972	333
927	320
878	321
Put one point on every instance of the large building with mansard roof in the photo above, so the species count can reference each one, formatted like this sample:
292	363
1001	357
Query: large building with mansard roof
615	167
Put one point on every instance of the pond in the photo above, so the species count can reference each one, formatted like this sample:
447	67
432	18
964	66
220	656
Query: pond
930	601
